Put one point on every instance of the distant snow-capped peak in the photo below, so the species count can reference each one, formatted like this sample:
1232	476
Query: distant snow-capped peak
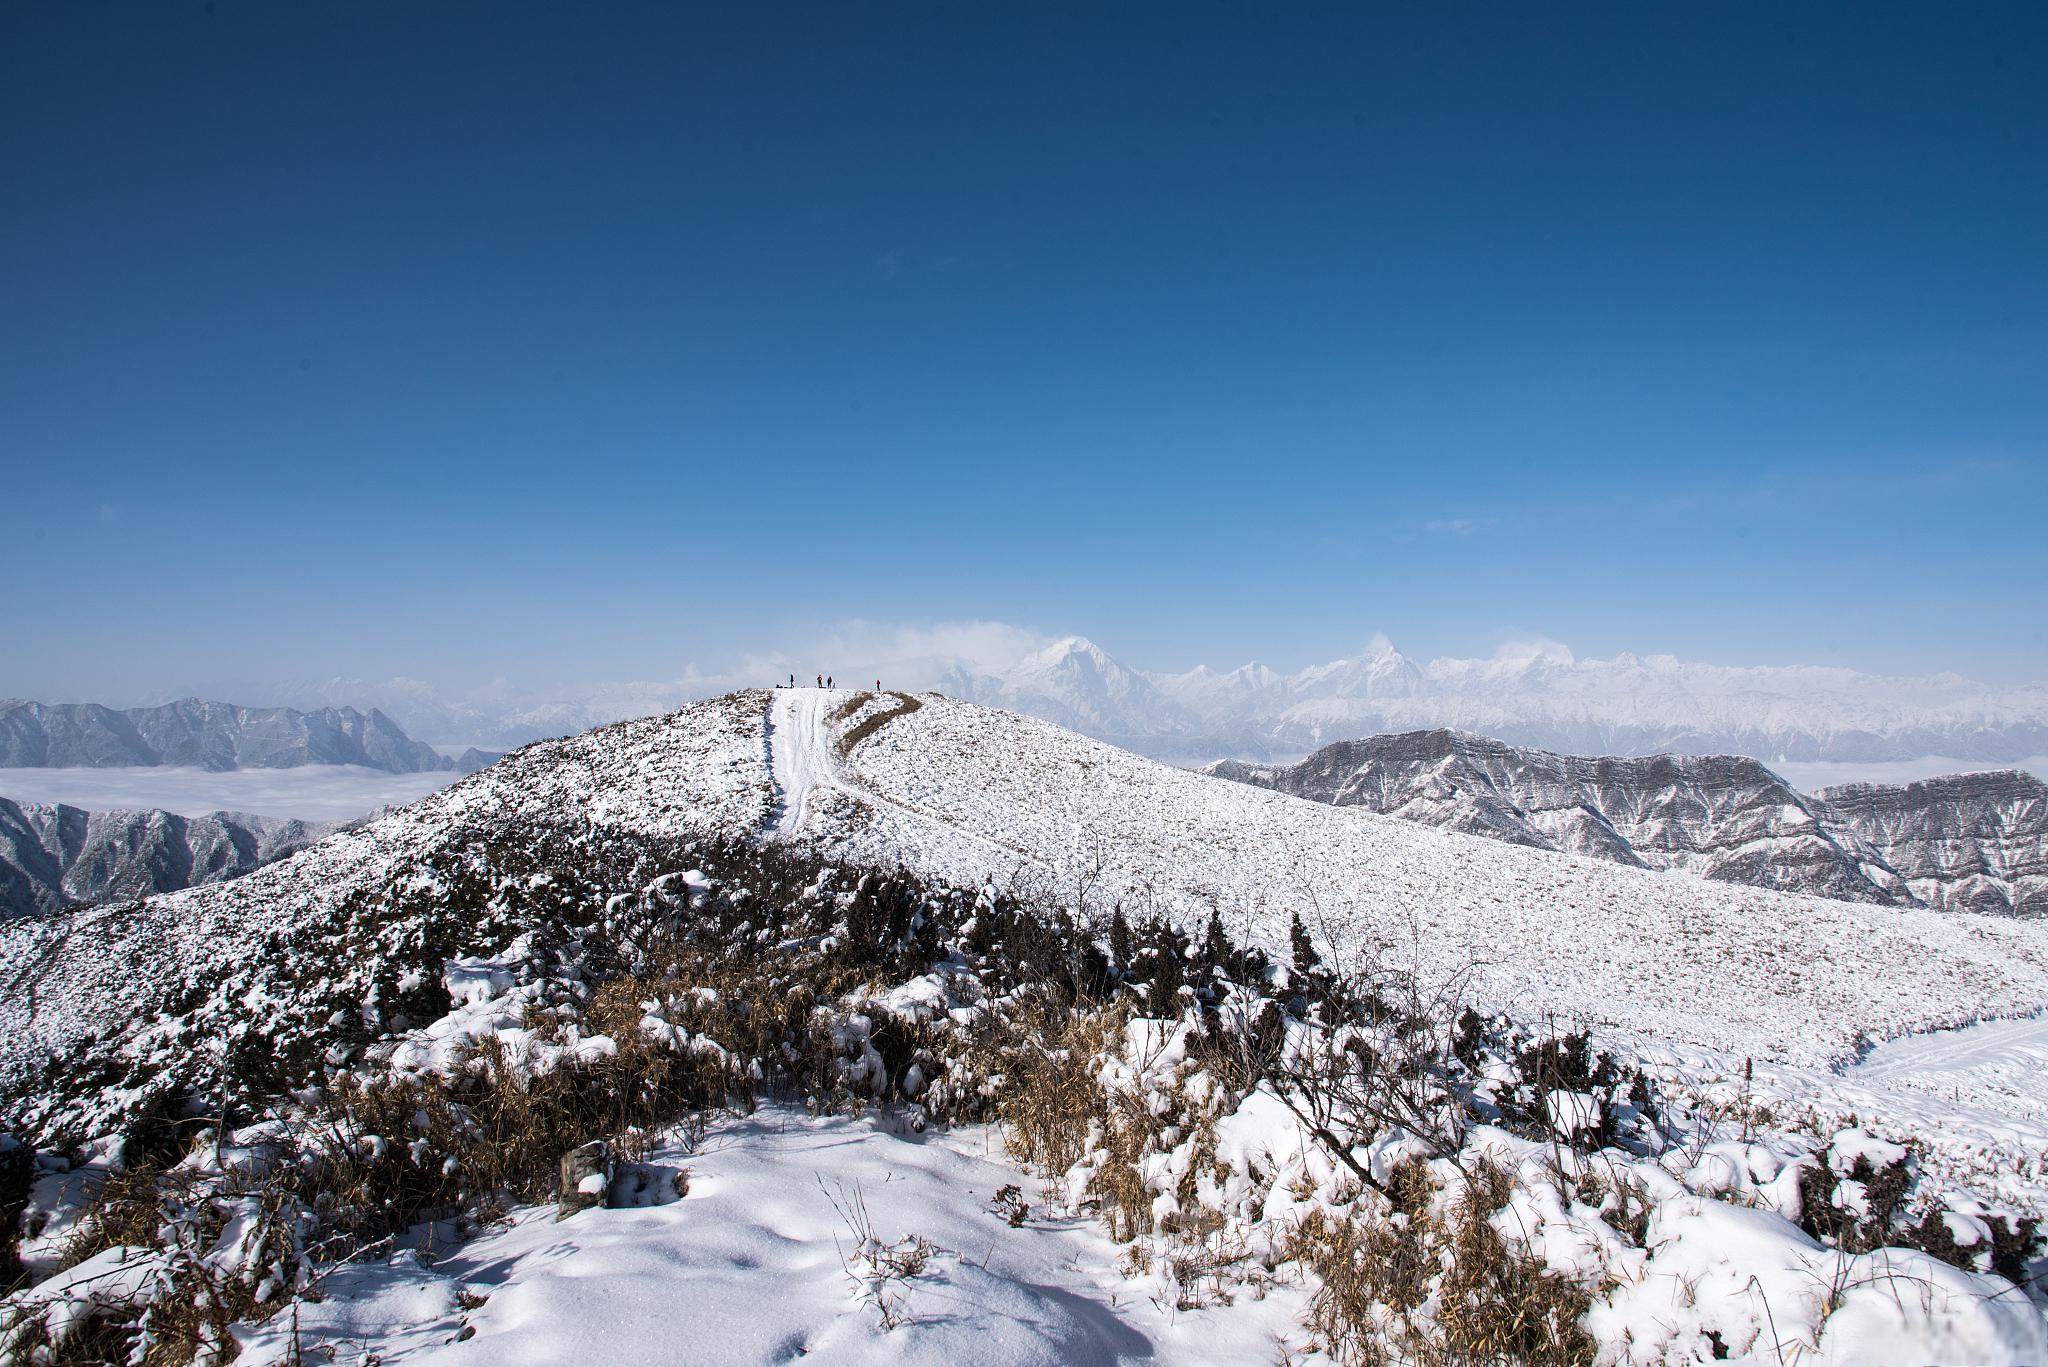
1533	693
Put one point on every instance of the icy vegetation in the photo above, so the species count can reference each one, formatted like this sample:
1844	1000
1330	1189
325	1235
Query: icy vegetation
888	1028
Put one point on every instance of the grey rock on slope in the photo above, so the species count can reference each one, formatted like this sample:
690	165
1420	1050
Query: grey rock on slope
53	856
207	735
1722	817
1962	842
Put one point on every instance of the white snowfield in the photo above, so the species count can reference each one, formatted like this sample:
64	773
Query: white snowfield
1697	976
968	792
702	771
754	1264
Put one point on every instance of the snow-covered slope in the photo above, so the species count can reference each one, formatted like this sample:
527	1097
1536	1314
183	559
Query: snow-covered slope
701	771
757	1248
964	792
955	789
1694	976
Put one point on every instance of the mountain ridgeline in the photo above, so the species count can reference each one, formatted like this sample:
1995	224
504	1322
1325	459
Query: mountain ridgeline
1968	842
215	736
54	856
1974	841
1537	694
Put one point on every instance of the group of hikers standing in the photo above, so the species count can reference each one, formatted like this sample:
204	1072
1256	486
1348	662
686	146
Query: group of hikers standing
825	681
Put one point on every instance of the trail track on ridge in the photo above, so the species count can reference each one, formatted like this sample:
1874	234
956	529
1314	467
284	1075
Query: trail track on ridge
804	765
800	756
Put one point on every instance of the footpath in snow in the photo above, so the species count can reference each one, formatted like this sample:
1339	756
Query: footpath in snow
1999	1065
800	755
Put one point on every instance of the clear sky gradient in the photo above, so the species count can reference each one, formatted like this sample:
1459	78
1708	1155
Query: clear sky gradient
577	342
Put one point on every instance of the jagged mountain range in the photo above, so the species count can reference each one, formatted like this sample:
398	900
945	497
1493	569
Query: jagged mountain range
214	736
53	856
1969	842
1540	695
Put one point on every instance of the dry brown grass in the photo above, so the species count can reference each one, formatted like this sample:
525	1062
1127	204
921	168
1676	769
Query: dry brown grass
1423	1284
1054	1107
196	1303
905	704
852	705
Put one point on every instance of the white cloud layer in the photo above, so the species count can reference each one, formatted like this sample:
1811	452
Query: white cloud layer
311	792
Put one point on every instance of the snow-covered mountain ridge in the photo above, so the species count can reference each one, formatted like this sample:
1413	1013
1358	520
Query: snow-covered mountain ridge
1975	842
1538	696
397	936
966	791
53	855
1542	696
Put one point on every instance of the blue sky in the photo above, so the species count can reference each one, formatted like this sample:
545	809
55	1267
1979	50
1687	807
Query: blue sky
582	342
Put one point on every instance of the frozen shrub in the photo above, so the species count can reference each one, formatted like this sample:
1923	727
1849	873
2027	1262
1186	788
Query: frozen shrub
17	1173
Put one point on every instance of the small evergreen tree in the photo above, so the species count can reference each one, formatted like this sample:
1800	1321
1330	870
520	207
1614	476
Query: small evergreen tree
1120	945
1306	961
1166	956
1215	954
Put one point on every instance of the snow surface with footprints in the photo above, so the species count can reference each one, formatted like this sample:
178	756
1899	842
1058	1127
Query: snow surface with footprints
750	1266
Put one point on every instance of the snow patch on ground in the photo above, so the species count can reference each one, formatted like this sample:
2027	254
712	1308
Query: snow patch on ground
1998	1065
751	1266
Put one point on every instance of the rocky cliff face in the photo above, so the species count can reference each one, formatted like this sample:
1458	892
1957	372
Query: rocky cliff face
1962	842
1721	817
206	735
1965	842
53	856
